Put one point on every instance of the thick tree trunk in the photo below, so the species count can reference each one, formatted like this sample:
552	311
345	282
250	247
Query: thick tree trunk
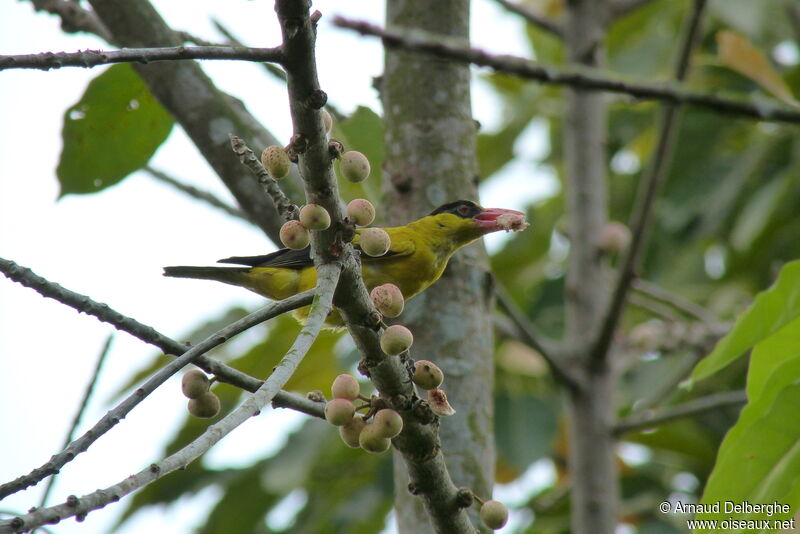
430	160
591	456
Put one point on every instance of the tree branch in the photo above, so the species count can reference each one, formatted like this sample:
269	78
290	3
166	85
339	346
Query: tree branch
642	216
102	312
418	442
649	419
199	194
534	18
579	78
93	58
115	415
328	276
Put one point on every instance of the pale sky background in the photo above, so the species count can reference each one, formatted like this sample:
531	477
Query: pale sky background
111	246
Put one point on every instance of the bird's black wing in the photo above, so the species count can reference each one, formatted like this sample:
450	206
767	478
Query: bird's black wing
292	259
285	257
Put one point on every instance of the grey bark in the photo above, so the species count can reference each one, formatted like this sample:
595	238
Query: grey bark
430	159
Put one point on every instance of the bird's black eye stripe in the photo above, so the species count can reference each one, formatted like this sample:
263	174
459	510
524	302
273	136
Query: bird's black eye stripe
461	208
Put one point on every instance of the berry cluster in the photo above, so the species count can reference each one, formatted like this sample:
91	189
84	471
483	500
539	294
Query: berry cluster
202	402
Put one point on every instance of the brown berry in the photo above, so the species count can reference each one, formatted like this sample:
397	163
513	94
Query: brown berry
361	211
205	406
494	514
396	339
388	299
354	166
374	241
276	161
427	375
345	387
294	235
194	383
339	412
315	217
388	422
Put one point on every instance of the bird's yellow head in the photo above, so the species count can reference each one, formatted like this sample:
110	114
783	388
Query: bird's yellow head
464	221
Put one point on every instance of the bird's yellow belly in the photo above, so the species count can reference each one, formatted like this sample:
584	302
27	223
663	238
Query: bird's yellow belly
412	277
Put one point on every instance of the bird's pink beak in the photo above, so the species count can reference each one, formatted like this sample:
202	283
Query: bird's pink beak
494	219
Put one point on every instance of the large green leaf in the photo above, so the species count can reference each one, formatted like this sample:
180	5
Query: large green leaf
771	310
111	132
759	460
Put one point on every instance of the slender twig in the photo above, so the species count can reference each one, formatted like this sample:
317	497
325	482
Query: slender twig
642	216
194	192
87	394
79	507
115	415
650	419
74	18
579	78
285	206
532	337
681	304
93	58
533	18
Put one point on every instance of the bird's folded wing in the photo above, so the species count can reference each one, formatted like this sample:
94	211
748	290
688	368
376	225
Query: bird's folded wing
300	259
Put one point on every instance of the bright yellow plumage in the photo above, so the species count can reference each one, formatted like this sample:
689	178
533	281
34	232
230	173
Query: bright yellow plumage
417	257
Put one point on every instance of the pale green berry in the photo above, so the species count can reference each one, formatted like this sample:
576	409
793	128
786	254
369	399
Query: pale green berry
396	339
374	241
354	166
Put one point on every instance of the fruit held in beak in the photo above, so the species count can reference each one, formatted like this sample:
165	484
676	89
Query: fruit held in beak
494	219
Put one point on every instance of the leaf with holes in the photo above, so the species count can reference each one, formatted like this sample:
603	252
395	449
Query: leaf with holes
111	132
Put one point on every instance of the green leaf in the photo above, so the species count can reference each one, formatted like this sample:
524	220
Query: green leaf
770	311
759	460
111	132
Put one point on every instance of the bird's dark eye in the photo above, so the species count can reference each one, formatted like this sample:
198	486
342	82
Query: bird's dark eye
463	210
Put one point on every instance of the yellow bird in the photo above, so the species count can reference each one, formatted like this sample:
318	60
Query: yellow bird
417	257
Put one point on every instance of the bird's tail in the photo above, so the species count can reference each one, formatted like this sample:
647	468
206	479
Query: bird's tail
229	275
